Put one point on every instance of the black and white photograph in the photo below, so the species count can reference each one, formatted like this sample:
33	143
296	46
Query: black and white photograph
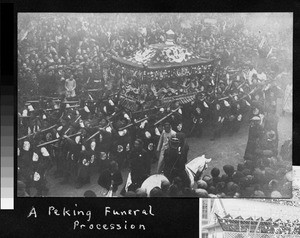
221	218
160	105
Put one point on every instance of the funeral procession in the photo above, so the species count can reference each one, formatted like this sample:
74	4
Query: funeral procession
155	105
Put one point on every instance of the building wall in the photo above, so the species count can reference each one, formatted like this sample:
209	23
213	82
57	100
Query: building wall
216	232
207	205
206	210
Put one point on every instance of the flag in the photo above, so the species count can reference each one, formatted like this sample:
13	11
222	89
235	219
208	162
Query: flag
109	193
128	182
22	35
261	44
270	52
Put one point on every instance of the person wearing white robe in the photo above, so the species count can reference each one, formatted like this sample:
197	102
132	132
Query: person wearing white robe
163	144
70	86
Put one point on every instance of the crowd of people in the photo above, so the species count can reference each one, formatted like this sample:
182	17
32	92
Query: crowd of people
52	47
277	227
85	139
80	127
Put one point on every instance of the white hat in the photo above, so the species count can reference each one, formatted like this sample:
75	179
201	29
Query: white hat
35	157
226	103
44	151
256	118
148	134
86	109
30	107
25	113
111	102
126	116
170	32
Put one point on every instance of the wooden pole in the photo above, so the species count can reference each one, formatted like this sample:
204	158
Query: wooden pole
49	128
56	140
166	116
131	124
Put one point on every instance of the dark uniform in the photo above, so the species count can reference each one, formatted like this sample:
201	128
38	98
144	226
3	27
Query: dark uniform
218	120
266	146
25	164
103	148
75	147
121	141
111	177
86	159
198	114
147	135
255	133
51	148
271	96
61	150
187	120
235	118
40	165
176	120
140	166
175	158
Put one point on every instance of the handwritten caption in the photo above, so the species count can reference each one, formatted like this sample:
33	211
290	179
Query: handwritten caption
83	218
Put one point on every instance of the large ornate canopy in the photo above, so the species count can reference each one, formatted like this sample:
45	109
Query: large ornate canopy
165	60
162	56
165	71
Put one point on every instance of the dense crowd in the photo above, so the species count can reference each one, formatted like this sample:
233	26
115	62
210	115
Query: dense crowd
52	47
268	226
83	140
80	133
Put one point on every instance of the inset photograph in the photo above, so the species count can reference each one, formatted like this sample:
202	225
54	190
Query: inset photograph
252	218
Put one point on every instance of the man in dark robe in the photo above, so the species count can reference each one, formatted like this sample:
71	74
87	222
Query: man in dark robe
175	160
255	133
140	165
111	178
86	160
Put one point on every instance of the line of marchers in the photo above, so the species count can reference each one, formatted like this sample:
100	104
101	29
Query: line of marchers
108	211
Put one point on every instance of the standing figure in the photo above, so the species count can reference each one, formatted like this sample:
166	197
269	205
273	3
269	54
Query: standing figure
70	86
175	160
87	158
163	144
111	178
140	165
198	114
255	133
40	164
25	154
218	119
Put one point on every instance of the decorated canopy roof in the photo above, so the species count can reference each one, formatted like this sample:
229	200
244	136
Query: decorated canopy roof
162	56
